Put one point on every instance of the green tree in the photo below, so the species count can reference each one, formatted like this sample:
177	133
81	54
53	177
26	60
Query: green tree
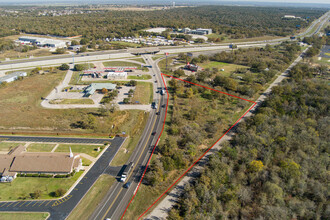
64	66
84	41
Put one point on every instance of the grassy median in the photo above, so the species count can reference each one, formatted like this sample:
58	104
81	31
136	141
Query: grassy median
94	196
23	215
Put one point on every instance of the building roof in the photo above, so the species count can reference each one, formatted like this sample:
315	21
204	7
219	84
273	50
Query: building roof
17	160
43	162
11	75
98	86
5	162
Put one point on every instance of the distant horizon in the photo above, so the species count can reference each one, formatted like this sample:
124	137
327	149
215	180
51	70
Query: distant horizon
277	3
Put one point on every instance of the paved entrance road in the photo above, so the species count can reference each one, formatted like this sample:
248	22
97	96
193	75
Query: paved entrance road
56	139
59	209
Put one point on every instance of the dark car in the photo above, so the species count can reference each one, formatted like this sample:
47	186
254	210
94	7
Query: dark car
127	185
157	113
153	133
163	106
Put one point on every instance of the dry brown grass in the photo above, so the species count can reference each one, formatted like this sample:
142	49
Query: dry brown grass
21	109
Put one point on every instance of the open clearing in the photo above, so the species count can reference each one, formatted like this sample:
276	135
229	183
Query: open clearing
23	186
228	68
143	93
21	109
73	101
143	77
120	63
95	195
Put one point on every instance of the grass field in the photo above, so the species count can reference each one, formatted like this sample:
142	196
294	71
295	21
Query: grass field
157	57
141	60
86	162
134	136
21	109
34	147
322	61
143	77
120	63
76	148
75	79
228	68
7	146
13	55
21	187
72	101
95	195
143	93
23	216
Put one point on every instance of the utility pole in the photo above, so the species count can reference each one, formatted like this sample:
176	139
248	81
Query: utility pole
166	54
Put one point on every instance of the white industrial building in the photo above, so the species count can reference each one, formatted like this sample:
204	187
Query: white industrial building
199	31
12	77
43	42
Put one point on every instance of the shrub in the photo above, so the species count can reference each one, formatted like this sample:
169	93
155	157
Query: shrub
64	66
59	192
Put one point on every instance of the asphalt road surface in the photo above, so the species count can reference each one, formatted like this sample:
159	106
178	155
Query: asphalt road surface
118	197
60	208
56	139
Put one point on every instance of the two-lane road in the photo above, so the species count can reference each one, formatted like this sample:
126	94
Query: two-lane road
118	197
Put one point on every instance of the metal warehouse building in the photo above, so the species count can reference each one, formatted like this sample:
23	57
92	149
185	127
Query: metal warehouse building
43	42
12	77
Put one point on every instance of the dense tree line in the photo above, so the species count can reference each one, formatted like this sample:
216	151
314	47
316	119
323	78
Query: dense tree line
277	165
236	22
264	64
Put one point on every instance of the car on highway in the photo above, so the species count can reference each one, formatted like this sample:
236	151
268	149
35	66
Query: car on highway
157	113
163	106
127	185
153	133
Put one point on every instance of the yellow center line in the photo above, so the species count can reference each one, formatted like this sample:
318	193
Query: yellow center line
42	203
153	126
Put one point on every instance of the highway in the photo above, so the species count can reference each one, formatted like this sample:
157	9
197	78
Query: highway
118	197
125	53
114	204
